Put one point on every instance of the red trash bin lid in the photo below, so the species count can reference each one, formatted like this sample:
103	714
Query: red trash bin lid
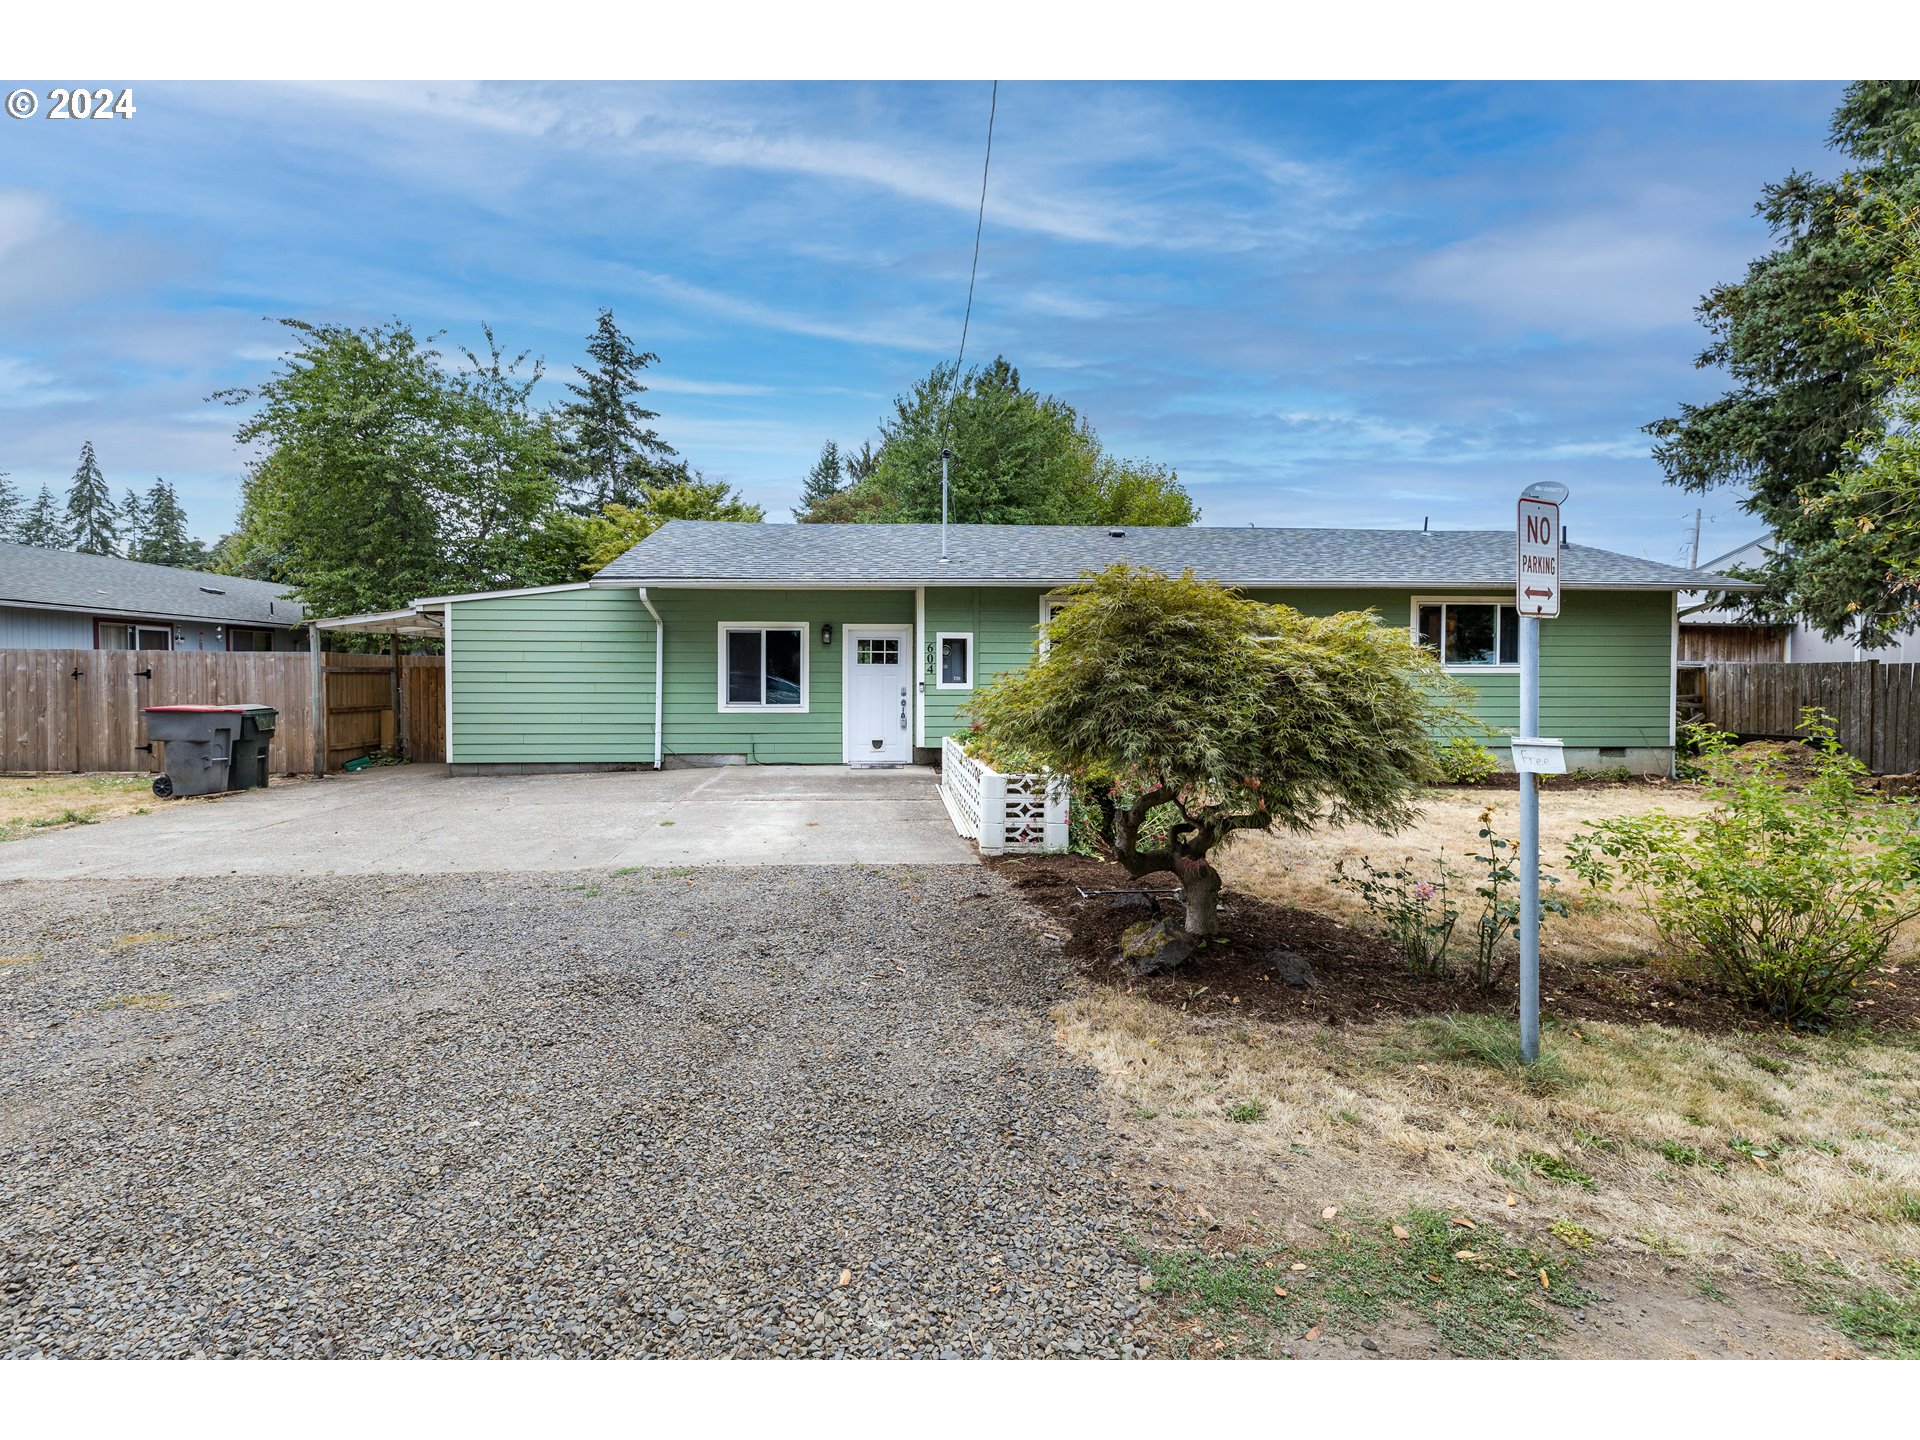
196	709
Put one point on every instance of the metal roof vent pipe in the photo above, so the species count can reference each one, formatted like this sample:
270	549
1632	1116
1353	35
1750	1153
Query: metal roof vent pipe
1117	534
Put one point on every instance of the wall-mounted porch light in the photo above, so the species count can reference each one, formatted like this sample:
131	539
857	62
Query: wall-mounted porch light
826	637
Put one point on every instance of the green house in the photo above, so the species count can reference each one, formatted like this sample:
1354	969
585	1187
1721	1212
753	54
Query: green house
717	643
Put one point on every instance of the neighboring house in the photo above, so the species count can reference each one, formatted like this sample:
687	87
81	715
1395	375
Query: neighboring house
1709	635
65	600
712	642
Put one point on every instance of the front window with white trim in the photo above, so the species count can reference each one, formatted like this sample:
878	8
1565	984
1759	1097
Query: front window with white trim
1469	634
954	653
763	667
1050	606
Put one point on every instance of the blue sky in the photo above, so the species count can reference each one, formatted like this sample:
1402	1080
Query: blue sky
1322	303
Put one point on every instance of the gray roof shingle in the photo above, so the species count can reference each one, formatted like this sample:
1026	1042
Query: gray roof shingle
108	585
727	551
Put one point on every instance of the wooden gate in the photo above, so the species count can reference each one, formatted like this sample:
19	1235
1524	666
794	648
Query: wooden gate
370	703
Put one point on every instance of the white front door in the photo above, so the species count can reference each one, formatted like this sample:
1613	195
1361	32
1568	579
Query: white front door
878	699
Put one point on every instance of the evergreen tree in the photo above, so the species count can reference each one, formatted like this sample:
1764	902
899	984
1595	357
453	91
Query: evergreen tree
11	507
164	539
90	520
42	524
132	524
1802	406
860	464
611	451
826	479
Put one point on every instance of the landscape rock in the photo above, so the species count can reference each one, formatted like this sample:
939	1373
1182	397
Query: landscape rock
1156	945
1293	968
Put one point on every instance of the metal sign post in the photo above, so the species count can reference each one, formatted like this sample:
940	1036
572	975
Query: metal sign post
1536	595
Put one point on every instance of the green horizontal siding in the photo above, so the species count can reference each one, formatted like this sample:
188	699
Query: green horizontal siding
568	676
565	677
1605	664
695	724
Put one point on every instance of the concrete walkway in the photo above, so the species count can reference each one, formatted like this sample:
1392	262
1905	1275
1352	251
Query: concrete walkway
419	820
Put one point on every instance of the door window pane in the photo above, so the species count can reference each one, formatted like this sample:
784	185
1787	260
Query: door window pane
956	666
783	667
743	667
152	638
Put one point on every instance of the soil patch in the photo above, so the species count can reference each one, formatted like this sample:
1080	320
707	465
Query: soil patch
1358	976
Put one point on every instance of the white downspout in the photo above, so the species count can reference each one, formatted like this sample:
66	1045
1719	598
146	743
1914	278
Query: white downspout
659	672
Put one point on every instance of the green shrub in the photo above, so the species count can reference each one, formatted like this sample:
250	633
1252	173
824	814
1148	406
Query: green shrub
1417	913
1465	762
1789	895
1499	892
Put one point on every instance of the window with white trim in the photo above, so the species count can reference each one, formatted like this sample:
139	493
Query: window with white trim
1469	634
763	667
954	655
1050	606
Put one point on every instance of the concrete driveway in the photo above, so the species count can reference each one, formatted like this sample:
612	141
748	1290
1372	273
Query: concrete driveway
418	819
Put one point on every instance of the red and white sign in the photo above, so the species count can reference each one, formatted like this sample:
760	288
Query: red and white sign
1537	589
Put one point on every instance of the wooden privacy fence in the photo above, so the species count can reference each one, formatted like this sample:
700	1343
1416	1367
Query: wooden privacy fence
80	709
1873	705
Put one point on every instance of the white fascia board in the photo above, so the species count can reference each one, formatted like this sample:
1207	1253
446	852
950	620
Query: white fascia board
501	594
957	582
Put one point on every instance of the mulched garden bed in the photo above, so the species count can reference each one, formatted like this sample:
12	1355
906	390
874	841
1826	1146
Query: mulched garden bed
1359	976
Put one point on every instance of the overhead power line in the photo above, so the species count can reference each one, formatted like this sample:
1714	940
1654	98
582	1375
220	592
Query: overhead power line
979	223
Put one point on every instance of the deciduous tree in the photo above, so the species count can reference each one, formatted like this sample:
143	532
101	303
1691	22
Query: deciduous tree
1019	458
1189	713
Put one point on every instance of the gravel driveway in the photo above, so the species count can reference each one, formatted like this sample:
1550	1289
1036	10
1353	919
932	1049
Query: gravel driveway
709	1112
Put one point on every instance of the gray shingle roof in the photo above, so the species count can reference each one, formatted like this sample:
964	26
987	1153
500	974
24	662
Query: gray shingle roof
107	585
723	551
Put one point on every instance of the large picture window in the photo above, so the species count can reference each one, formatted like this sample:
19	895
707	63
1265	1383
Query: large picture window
1469	634
763	667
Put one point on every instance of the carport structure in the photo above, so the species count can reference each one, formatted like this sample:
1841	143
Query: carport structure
347	709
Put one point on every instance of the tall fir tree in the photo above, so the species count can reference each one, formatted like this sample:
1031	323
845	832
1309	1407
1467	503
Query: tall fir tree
1802	403
131	522
163	538
825	480
42	525
90	520
612	453
12	507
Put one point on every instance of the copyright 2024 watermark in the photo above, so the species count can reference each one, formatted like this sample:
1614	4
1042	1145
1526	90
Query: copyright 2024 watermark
72	102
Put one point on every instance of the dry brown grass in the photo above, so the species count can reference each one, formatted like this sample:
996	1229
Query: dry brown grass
49	802
1405	1112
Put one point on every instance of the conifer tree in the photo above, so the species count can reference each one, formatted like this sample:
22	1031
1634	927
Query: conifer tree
90	520
131	523
612	453
164	539
12	507
42	524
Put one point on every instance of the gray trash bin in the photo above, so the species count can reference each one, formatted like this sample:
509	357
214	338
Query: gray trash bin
200	741
248	769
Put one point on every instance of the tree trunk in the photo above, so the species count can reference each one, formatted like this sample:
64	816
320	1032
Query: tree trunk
1200	887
